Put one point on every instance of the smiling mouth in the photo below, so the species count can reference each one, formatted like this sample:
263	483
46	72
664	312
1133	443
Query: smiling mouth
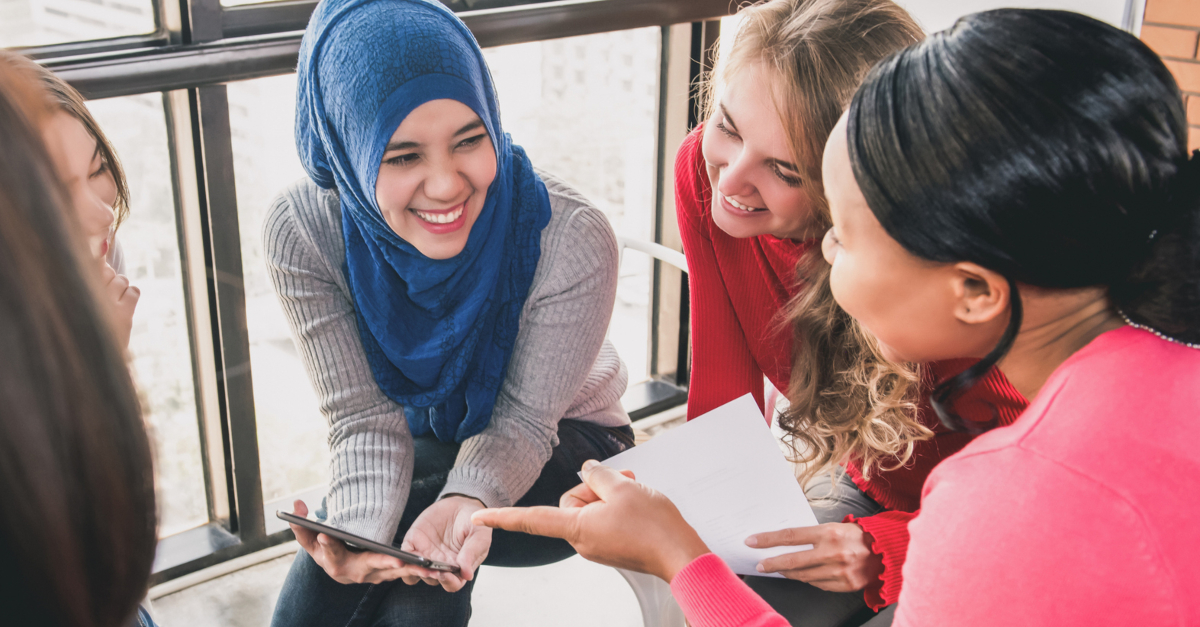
442	216
737	205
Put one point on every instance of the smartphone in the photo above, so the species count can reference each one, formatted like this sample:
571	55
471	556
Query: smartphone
367	545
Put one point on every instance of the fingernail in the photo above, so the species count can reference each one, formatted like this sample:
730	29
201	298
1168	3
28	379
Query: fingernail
759	568
752	541
590	464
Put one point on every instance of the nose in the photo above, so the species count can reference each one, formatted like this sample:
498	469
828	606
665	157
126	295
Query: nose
95	215
105	216
444	182
828	249
734	177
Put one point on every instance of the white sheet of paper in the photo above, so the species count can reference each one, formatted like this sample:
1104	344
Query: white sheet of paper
729	479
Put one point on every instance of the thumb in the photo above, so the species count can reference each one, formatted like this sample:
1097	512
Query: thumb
603	479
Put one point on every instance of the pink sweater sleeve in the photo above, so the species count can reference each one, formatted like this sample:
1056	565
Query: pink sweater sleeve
712	596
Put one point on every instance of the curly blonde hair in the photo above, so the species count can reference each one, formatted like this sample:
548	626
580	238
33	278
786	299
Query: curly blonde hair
846	400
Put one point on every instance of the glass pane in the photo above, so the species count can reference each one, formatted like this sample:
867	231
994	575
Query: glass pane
161	349
292	433
588	114
45	22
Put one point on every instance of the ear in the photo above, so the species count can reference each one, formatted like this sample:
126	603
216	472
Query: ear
981	295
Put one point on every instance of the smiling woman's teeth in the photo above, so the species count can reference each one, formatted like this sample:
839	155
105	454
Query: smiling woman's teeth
439	218
741	206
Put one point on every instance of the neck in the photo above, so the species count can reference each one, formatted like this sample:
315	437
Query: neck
1051	333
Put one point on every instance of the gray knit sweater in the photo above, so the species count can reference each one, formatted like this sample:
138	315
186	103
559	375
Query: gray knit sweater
562	365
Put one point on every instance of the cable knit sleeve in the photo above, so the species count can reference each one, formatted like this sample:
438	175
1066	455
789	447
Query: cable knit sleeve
558	357
371	447
889	540
710	595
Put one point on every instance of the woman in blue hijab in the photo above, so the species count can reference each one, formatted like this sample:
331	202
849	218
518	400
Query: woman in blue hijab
450	302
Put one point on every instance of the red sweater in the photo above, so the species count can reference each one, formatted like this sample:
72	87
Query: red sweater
738	289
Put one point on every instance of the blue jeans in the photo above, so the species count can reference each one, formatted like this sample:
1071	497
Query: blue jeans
311	597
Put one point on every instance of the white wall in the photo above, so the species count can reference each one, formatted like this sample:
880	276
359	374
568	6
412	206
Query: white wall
935	15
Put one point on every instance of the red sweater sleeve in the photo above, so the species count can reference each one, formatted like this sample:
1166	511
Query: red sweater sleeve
889	540
710	595
723	367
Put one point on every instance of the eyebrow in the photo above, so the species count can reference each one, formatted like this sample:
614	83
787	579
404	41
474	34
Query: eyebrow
476	124
725	112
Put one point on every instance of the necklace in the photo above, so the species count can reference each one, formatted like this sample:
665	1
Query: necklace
1155	331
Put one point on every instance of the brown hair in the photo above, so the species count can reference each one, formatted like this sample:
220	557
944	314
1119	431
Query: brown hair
77	529
70	101
846	400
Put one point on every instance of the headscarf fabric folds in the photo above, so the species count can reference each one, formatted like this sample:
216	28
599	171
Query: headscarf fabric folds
438	334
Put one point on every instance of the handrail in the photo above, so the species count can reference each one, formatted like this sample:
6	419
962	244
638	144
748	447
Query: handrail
175	67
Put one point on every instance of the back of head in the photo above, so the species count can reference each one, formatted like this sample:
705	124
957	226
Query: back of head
1047	146
846	401
77	530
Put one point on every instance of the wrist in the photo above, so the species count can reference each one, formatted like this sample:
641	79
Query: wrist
465	497
680	555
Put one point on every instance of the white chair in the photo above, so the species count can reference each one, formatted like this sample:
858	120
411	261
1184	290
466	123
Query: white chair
659	608
657	251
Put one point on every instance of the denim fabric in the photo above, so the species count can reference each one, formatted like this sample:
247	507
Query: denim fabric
311	598
143	619
804	605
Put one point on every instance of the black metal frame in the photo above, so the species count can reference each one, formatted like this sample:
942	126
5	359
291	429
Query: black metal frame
199	46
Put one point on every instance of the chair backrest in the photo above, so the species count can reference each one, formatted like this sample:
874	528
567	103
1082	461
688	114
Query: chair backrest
657	251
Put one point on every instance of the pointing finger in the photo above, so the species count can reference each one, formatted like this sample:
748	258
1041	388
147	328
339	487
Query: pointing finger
539	521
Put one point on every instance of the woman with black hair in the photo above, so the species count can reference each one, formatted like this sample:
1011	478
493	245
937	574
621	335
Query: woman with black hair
1016	189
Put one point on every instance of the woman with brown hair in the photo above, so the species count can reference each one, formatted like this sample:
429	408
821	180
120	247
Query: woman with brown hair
78	530
855	423
88	166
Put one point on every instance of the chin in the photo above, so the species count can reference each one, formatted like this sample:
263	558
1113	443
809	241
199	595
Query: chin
441	250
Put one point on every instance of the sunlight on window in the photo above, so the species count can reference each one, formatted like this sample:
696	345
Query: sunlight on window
45	22
160	345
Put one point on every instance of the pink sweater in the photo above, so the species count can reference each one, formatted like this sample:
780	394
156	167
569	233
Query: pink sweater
1077	514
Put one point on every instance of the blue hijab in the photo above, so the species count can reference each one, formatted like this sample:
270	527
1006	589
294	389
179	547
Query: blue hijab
438	334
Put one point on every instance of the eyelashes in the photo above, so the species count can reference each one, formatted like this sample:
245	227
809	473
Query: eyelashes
789	180
412	157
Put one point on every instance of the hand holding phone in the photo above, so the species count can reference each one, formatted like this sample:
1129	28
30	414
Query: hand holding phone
360	542
346	566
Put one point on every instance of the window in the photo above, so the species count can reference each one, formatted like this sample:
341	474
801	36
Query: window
160	345
45	22
292	433
599	138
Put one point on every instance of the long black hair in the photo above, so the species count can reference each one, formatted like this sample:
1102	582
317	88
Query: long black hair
77	523
1046	146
